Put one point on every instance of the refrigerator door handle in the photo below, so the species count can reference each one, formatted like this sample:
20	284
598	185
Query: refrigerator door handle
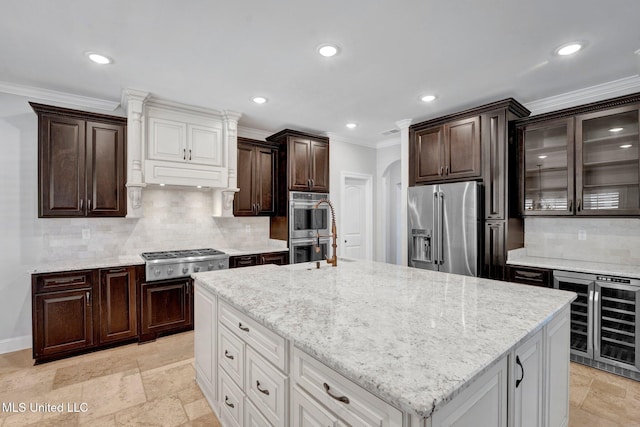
441	249
590	317
436	230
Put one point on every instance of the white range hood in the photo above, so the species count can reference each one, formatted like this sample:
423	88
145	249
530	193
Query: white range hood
175	144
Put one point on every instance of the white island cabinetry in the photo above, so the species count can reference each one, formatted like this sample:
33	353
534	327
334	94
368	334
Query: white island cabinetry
371	344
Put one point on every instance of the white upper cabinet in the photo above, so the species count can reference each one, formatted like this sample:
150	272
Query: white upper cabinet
184	147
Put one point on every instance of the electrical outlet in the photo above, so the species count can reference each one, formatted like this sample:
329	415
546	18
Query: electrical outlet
582	234
86	233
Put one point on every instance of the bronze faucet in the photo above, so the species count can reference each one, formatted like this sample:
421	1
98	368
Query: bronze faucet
334	234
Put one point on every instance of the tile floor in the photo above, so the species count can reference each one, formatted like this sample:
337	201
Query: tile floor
153	385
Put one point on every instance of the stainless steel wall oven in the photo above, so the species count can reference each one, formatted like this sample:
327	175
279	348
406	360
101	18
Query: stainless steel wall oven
305	224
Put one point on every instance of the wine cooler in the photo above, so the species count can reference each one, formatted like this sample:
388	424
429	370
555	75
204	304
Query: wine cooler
604	321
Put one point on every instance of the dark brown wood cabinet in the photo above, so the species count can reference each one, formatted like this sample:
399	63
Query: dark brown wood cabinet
63	313
278	258
118	318
257	174
305	158
165	307
530	275
81	163
77	311
582	161
476	144
450	151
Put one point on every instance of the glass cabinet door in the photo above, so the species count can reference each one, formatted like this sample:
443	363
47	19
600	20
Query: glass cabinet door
607	162
547	168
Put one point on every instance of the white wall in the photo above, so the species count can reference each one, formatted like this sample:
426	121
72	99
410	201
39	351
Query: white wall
174	219
387	176
609	240
345	156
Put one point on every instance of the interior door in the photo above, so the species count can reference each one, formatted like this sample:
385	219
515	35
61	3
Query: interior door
355	219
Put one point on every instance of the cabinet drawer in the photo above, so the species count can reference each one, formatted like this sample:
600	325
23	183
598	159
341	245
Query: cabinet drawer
253	417
267	343
530	276
307	412
231	402
243	261
231	357
341	396
266	387
62	281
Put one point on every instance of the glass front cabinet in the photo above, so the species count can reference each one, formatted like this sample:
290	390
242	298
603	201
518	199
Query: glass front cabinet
581	164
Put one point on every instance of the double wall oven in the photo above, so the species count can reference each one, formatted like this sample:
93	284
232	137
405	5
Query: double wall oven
306	223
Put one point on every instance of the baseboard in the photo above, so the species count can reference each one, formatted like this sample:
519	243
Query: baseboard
15	344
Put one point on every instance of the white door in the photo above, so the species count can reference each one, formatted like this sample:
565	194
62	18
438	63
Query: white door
355	210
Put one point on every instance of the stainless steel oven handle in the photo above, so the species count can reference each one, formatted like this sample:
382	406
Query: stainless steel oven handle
441	231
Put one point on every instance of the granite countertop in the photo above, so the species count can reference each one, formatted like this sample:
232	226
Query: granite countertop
413	337
520	257
87	264
251	251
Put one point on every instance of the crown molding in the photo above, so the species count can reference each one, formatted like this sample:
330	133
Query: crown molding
253	133
341	139
388	142
623	86
55	96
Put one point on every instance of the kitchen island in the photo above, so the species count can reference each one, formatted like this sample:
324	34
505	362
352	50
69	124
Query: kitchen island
374	343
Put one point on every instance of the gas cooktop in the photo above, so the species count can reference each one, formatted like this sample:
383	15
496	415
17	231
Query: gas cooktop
184	253
182	263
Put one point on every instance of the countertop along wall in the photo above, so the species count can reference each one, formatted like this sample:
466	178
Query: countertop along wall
175	218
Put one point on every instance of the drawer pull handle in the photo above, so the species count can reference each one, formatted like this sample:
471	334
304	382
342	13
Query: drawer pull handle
261	390
227	355
242	328
522	368
343	399
226	402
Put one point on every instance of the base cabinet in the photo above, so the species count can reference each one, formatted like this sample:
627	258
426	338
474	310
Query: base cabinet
165	307
205	345
529	379
117	302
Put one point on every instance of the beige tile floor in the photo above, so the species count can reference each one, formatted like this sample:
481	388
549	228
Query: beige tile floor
153	385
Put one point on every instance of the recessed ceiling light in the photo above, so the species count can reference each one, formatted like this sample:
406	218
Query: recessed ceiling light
259	99
161	185
569	48
626	146
99	59
542	157
352	125
328	50
427	98
199	186
615	130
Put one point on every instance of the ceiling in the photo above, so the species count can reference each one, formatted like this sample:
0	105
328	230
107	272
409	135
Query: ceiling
221	54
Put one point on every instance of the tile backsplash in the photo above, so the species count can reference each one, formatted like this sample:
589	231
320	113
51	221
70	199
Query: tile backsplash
610	240
173	219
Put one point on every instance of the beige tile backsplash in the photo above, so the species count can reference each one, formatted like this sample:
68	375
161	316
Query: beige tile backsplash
610	240
174	219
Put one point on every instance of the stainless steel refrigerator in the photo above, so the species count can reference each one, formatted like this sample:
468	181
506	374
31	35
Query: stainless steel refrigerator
444	224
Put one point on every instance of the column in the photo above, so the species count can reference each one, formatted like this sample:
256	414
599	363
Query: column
133	103
223	197
403	125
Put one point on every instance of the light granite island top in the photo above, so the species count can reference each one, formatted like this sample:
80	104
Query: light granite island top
413	337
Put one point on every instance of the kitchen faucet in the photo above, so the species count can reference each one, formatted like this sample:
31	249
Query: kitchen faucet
334	234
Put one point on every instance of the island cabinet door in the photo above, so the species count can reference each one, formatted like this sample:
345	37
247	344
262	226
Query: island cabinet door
205	343
527	382
306	412
484	402
557	347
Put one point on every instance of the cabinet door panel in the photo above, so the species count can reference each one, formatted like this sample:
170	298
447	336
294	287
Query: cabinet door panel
319	166
265	180
63	322
165	306
118	320
608	162
529	377
106	194
299	164
495	167
428	155
205	146
244	200
462	149
167	140
62	166
494	250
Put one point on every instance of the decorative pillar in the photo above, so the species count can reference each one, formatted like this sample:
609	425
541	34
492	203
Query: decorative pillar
133	103
403	125
223	197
